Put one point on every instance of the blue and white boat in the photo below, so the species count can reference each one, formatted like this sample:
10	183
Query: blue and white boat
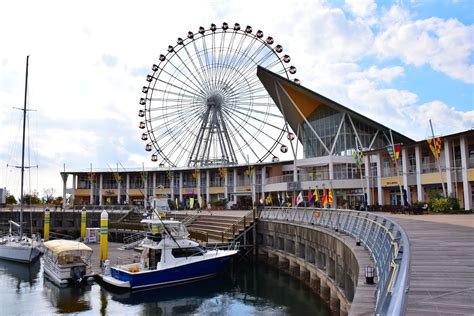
168	257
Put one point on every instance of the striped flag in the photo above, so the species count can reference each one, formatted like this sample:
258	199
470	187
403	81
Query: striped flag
391	152
437	142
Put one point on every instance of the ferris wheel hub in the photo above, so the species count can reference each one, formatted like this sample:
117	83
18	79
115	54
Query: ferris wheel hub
215	100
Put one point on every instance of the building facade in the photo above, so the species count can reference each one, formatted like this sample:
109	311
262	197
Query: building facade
343	151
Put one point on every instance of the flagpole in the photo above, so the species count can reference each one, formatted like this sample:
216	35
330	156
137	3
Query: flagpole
396	168
360	170
437	159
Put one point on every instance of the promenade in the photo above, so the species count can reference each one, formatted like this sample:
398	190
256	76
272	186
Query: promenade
442	263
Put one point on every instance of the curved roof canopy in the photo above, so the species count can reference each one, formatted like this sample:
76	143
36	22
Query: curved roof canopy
297	103
60	245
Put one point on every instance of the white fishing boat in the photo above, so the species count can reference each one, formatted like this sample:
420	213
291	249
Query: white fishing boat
168	257
17	246
67	262
20	249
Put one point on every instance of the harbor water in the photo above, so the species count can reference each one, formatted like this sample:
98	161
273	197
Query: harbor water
246	289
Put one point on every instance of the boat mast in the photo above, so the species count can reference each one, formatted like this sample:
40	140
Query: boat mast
23	148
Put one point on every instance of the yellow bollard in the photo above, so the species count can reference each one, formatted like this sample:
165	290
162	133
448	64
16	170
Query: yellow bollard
46	224
83	223
104	234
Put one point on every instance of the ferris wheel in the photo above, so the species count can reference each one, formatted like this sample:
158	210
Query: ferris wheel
204	104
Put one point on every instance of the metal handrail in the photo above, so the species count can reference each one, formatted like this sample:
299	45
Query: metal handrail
386	241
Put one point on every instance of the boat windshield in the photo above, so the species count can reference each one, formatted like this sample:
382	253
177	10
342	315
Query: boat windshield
175	228
70	257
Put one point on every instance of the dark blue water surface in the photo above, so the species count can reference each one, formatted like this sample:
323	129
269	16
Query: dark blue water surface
247	289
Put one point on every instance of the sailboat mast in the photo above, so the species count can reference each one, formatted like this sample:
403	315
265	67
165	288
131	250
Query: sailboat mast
23	148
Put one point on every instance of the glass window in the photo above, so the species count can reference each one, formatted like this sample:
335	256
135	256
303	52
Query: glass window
187	252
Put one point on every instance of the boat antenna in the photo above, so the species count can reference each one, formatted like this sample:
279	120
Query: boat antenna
166	229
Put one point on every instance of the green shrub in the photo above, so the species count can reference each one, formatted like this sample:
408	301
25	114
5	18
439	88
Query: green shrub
441	204
222	202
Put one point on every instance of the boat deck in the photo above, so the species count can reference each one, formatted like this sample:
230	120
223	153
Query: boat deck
116	255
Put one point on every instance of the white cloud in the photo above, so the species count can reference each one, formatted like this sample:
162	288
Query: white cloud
446	120
446	45
386	74
361	8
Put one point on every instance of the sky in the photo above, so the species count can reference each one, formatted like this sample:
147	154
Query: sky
398	62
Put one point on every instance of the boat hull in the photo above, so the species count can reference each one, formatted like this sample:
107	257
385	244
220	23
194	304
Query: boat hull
180	274
19	253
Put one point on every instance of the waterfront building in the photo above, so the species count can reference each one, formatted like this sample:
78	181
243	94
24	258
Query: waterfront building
344	152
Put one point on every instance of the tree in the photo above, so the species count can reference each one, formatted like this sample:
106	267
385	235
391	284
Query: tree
31	199
49	195
58	201
10	199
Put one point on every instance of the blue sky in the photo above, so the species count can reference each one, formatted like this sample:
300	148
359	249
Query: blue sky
398	62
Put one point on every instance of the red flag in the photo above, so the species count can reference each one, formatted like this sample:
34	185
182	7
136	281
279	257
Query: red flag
324	199
397	152
309	195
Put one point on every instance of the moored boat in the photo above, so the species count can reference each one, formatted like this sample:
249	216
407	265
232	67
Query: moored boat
67	262
168	257
18	248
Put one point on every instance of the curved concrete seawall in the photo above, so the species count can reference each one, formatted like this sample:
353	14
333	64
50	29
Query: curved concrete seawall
327	261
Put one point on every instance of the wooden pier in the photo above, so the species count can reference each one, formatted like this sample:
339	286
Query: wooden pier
442	263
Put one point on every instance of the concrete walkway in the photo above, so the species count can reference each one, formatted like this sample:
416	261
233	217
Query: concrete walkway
442	263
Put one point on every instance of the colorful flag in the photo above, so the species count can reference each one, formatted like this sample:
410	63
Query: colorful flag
299	198
191	203
397	152
355	154
261	199
432	146
269	199
391	152
358	155
330	197
309	196
324	199
314	197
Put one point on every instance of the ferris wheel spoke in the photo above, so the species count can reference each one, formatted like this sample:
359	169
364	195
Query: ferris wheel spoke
248	70
251	135
175	93
254	118
259	112
201	63
189	81
204	80
189	70
250	63
220	61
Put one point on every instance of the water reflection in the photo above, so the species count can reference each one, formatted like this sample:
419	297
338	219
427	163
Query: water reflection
249	288
72	299
179	299
21	273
